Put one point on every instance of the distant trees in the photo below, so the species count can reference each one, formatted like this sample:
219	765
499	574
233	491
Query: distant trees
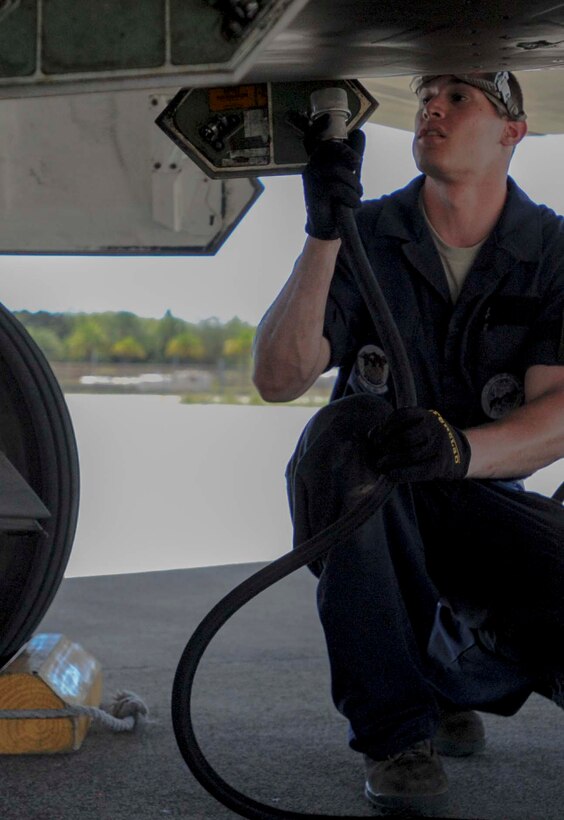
186	347
49	342
128	349
238	344
88	342
124	337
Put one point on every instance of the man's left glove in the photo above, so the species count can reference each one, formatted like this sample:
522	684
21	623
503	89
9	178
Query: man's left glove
415	444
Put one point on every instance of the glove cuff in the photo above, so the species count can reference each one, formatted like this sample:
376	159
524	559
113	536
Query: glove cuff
319	233
460	446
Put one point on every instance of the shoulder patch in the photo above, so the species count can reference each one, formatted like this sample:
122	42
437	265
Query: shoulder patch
501	394
371	371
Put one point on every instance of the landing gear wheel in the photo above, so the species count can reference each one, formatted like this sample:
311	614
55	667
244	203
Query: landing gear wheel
36	435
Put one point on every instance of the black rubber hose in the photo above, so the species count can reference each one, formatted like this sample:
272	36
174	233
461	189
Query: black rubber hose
303	554
380	314
214	620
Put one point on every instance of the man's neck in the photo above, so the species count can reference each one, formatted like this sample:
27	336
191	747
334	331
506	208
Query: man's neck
463	214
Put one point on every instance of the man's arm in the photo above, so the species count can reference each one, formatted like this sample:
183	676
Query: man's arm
415	444
290	350
527	439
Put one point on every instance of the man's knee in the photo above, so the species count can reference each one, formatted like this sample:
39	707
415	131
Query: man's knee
328	473
334	429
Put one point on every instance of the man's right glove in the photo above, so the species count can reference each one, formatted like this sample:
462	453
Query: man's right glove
331	177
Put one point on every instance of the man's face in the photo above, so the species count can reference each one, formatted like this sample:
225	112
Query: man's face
458	131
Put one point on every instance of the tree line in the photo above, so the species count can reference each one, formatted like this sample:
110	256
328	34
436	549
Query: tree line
125	337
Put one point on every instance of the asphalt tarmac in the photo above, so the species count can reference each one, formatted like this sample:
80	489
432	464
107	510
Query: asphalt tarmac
262	709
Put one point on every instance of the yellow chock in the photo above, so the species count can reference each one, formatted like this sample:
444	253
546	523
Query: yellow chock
42	692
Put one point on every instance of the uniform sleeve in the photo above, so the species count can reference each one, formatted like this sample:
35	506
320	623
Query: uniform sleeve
546	340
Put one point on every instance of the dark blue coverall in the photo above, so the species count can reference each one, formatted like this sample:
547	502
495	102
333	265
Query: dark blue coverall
450	595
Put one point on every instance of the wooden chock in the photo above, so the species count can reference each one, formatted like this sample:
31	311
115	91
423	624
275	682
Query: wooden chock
49	673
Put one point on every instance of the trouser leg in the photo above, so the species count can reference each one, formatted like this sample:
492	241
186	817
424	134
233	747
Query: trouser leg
501	550
376	604
483	547
376	601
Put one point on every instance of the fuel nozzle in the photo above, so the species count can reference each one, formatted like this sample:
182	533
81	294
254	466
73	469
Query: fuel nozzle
334	102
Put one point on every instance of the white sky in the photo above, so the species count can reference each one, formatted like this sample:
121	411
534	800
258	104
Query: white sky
246	274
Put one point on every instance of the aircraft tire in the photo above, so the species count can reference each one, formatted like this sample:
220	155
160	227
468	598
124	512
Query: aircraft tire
37	436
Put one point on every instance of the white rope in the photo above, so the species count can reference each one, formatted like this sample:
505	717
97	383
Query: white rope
121	715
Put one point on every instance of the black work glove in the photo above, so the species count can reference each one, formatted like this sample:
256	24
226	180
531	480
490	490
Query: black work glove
331	177
415	444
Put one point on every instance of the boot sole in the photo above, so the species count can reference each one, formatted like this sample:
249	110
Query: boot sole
422	804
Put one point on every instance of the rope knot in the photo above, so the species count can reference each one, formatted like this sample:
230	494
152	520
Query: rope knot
127	704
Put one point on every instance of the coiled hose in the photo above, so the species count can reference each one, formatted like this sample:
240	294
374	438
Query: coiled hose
303	554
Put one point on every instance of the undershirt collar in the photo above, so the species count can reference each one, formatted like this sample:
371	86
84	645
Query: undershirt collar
456	261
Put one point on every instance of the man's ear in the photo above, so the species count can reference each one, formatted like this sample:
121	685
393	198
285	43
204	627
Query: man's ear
513	132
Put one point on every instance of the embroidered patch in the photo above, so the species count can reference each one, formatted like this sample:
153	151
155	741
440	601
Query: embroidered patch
501	394
371	371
